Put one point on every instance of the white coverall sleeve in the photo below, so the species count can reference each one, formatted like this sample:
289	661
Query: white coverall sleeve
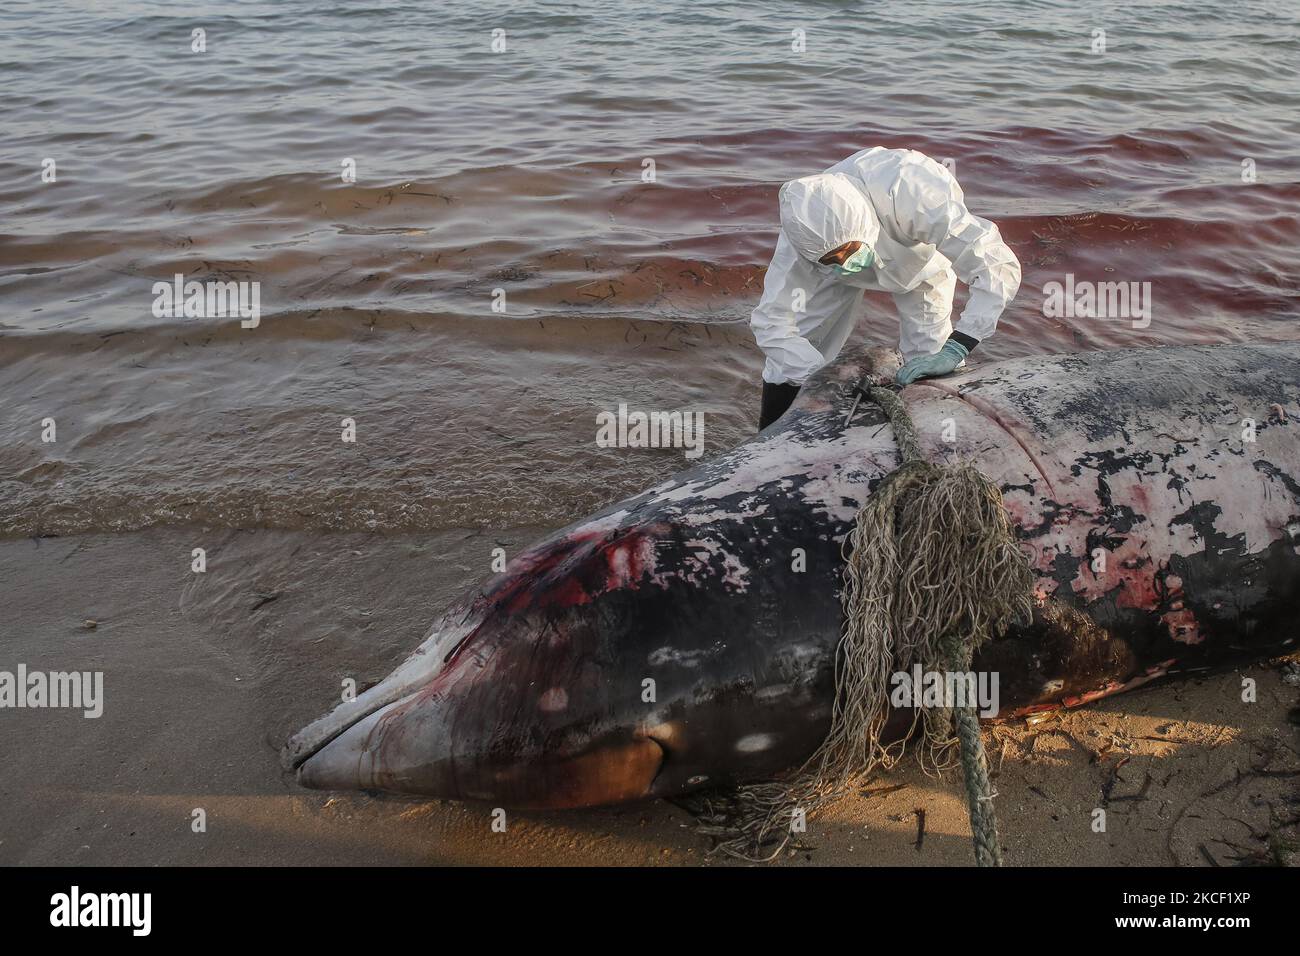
930	207
800	306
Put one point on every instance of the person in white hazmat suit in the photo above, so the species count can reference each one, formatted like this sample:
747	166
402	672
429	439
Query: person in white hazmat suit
892	220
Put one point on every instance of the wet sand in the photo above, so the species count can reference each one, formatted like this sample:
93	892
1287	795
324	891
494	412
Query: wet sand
206	674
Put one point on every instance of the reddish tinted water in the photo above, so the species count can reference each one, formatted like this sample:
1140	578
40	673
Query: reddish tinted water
522	171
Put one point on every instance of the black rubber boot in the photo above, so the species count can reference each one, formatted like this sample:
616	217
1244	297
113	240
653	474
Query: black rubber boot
776	399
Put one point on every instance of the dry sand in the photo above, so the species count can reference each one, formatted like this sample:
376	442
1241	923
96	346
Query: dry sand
205	675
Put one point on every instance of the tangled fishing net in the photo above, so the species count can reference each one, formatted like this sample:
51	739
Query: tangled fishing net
932	572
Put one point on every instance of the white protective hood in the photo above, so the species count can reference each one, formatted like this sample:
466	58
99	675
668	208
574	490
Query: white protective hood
820	213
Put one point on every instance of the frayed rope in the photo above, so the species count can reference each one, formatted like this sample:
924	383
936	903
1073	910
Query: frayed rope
932	573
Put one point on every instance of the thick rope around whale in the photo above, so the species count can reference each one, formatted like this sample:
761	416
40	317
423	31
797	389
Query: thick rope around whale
932	572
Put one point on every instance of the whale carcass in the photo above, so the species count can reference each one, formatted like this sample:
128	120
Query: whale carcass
685	637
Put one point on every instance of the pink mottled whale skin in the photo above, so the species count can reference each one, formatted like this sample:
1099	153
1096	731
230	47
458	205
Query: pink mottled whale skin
685	637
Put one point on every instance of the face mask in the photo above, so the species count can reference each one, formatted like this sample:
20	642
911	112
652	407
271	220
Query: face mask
856	262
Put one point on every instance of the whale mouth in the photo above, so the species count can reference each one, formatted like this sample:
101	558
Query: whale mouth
441	726
317	735
406	747
416	673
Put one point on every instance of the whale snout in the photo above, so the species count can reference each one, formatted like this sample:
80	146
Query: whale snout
519	701
409	747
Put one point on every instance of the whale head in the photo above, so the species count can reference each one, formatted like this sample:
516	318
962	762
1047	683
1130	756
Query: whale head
662	645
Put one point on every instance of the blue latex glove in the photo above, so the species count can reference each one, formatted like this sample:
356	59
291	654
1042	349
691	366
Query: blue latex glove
929	366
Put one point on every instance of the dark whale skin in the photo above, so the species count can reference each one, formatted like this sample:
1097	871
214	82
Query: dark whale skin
684	638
